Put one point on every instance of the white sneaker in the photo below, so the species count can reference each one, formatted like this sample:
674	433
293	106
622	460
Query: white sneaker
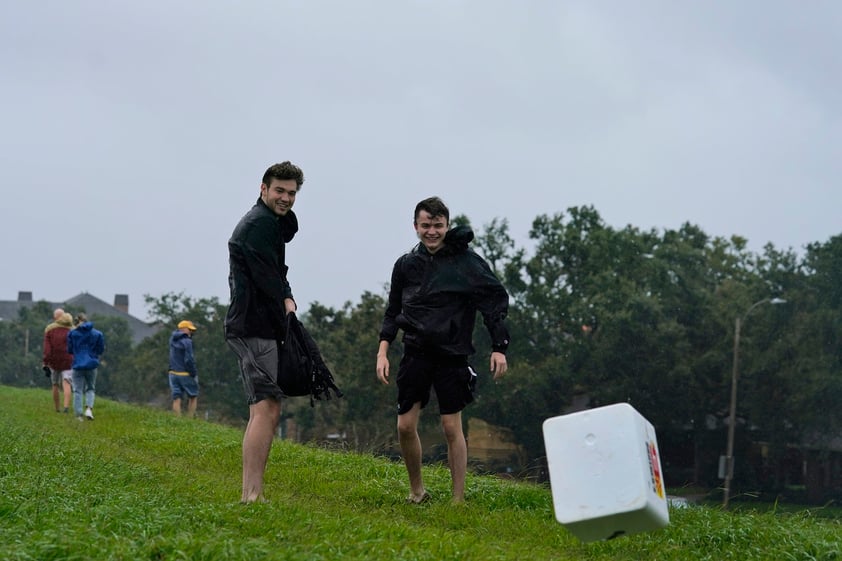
89	414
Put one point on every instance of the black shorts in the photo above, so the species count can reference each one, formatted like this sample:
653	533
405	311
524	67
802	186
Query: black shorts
258	367
452	377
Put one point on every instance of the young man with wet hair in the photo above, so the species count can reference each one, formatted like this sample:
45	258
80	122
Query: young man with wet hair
261	297
436	290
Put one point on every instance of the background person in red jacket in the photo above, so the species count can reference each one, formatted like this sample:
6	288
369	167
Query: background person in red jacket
57	361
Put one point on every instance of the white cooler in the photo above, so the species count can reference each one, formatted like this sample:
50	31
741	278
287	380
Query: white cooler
605	472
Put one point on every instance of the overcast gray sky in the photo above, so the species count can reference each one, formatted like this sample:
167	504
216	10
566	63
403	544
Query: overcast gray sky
134	134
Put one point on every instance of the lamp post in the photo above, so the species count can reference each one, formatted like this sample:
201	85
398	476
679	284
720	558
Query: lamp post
732	413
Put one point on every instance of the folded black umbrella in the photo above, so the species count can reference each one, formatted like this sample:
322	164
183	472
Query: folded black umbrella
301	369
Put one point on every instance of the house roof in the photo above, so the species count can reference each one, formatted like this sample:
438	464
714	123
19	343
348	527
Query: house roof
92	305
9	309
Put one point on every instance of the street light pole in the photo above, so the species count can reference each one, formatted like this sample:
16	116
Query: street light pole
732	416
732	411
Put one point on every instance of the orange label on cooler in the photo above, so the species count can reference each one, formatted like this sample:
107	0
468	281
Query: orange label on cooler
654	469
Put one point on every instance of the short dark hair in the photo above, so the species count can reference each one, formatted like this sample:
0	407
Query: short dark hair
434	206
282	171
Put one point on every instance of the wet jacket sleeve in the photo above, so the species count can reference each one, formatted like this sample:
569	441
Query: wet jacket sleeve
189	359
99	344
389	330
492	301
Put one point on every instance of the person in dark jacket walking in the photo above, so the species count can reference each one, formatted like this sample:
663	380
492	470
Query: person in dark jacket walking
56	358
86	344
260	299
184	379
436	290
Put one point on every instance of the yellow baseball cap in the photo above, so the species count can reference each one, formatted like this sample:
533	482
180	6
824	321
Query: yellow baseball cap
186	324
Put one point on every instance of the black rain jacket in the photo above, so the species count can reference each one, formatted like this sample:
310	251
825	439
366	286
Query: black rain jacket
258	273
434	298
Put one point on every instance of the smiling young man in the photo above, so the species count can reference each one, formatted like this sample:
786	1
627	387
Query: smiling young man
261	297
436	290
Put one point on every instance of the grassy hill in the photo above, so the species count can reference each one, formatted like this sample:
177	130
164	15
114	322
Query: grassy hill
142	484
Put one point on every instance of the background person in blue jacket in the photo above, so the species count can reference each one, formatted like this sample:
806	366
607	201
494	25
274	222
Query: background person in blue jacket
436	290
86	344
184	379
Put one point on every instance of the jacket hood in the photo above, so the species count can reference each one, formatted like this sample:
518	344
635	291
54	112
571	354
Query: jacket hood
288	222
86	326
289	225
178	335
457	239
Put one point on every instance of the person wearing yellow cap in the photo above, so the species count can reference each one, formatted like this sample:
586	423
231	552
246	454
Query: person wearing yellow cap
184	378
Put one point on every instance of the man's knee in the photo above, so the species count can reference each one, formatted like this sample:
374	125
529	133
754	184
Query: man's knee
452	426
406	429
408	422
268	409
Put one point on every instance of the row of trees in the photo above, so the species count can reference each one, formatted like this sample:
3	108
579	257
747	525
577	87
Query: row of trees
598	315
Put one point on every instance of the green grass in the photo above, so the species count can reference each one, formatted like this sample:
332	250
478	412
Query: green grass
141	484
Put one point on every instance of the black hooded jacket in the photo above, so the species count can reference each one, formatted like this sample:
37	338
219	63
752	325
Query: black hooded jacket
258	273
434	298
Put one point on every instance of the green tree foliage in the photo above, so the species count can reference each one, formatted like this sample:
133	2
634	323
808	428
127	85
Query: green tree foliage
816	340
22	345
603	315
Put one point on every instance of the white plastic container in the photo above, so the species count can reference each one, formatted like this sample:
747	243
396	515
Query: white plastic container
605	472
